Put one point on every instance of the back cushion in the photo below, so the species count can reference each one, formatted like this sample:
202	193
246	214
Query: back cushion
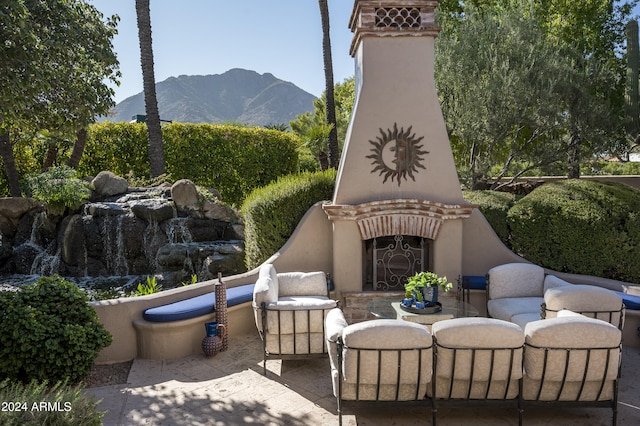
573	332
593	301
302	284
516	280
453	336
551	281
386	334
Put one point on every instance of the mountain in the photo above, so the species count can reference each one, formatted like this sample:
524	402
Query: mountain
235	96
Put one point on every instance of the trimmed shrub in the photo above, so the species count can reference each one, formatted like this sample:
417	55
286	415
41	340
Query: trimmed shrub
495	206
60	188
234	160
579	226
49	332
272	213
35	404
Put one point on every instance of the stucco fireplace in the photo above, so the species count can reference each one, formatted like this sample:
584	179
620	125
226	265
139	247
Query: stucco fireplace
397	196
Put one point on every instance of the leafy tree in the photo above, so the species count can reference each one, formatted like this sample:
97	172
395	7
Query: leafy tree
498	80
154	130
54	60
520	93
632	92
594	29
329	94
311	126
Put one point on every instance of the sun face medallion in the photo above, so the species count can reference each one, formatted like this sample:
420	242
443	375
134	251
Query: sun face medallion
397	154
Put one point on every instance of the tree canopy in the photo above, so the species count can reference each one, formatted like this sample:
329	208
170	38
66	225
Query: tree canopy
55	64
312	127
528	83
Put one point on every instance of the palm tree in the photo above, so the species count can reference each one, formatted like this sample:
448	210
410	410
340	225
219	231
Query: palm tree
156	149
328	76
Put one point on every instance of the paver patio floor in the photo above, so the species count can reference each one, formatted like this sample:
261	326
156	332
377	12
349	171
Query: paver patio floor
229	389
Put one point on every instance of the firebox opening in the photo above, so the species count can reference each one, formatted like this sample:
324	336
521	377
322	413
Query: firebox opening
390	260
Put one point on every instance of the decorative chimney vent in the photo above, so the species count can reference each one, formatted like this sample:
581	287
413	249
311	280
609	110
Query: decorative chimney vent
387	17
394	17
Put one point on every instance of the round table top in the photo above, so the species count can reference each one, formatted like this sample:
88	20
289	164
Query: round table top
389	308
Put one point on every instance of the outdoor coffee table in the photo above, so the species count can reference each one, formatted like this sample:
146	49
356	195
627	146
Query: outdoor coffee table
389	308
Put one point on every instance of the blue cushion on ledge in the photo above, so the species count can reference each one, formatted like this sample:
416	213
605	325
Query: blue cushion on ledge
630	301
197	306
475	282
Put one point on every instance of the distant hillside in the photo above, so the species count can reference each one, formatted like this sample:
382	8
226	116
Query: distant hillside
236	95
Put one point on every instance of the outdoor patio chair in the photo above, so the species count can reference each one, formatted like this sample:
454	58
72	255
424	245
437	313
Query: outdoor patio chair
514	291
572	360
290	309
378	360
476	360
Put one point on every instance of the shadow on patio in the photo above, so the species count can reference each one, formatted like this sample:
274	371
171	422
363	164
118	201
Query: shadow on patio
229	389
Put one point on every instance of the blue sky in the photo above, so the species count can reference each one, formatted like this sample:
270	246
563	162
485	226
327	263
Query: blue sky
201	37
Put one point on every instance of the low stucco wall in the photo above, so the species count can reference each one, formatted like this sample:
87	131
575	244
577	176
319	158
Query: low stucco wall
308	249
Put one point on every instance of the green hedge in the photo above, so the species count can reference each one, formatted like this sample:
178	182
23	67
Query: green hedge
579	226
272	213
234	160
49	332
494	206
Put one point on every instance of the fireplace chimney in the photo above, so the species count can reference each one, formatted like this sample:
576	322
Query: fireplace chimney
397	176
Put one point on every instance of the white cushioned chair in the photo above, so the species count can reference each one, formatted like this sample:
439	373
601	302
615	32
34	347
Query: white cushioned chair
515	292
476	359
289	310
378	360
572	359
522	293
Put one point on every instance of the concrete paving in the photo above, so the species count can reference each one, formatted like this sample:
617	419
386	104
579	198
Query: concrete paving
230	389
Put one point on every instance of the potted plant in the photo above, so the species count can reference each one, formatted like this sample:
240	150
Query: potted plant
424	282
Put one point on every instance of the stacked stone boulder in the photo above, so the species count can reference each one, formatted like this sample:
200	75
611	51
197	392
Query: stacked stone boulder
124	230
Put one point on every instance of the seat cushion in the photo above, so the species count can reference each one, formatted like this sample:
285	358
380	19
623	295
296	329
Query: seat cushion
504	309
298	303
197	306
523	319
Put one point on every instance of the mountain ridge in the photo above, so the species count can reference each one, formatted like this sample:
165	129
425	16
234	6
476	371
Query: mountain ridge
237	95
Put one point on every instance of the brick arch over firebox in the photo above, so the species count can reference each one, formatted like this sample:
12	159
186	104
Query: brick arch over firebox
421	218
